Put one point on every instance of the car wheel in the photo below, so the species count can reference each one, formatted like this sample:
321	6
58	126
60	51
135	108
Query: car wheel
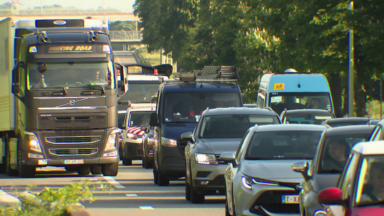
110	169
227	210
155	177
96	170
161	179
195	197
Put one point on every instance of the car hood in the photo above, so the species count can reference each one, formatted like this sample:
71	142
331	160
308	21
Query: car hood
218	146
277	170
174	130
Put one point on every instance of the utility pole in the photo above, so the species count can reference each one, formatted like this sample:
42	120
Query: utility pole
351	95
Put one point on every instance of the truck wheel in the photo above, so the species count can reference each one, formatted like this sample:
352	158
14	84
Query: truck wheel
84	170
96	170
161	179
10	171
110	169
3	166
71	168
25	171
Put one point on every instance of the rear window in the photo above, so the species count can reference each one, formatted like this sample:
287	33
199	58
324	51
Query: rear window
346	123
308	118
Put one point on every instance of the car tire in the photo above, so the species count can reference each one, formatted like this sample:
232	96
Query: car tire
96	170
110	169
155	176
84	170
195	197
227	210
187	191
161	179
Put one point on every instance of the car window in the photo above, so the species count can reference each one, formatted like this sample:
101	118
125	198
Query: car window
314	162
283	145
242	145
336	150
312	118
346	183
139	118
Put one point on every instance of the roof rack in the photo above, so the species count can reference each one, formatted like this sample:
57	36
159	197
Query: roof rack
210	74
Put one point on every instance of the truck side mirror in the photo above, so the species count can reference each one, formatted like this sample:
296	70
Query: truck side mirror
153	120
15	88
122	83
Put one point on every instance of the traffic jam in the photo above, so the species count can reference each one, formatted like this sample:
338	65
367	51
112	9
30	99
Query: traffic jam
287	154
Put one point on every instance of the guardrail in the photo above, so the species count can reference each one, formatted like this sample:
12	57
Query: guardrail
63	11
125	35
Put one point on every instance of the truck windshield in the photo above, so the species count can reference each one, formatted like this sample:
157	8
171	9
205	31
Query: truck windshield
140	92
280	101
188	106
71	75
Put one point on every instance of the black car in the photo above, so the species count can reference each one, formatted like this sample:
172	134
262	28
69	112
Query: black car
338	122
306	116
332	151
149	141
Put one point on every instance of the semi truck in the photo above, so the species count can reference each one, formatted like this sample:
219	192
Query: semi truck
58	96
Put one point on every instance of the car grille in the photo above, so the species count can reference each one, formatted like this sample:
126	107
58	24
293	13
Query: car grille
73	151
181	144
271	201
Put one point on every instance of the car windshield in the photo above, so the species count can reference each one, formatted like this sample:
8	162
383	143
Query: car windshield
120	119
283	145
232	126
71	75
313	118
346	123
336	150
141	92
370	184
280	101
188	106
140	118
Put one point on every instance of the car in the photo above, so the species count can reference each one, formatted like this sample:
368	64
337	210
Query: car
136	118
149	142
305	116
338	122
335	143
218	131
360	187
259	180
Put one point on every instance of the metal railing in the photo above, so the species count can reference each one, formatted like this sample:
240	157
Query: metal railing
63	11
125	35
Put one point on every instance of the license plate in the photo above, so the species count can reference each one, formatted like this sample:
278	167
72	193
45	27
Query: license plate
78	161
290	199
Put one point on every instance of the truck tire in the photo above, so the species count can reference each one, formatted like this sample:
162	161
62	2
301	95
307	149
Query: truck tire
96	170
110	169
71	168
25	171
84	170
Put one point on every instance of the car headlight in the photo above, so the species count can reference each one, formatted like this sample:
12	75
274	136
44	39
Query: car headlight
320	213
168	142
131	136
33	142
206	159
111	143
249	181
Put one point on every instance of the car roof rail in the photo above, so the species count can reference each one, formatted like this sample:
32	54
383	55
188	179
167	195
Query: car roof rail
208	74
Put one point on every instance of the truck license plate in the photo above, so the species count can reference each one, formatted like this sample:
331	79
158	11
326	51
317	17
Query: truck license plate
290	199
74	161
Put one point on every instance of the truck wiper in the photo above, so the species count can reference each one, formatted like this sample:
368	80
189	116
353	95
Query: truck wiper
64	92
98	87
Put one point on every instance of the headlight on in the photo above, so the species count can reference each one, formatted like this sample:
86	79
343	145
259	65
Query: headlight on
111	143
207	159
249	181
168	142
33	142
131	136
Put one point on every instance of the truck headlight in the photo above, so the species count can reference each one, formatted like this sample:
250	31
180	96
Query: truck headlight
168	142
33	142
111	143
249	181
206	159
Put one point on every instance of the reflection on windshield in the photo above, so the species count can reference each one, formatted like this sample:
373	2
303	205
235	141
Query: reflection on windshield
370	185
336	151
71	75
232	126
308	118
139	119
140	93
283	145
188	106
281	101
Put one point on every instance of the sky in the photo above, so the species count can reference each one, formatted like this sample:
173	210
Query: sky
81	4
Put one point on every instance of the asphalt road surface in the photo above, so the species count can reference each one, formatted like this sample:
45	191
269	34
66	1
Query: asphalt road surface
134	193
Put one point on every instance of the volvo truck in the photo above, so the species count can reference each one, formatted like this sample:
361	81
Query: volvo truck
58	96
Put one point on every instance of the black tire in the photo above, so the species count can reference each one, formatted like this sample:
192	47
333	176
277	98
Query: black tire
126	161
96	170
110	169
9	170
84	170
162	179
226	209
155	177
147	164
195	197
187	191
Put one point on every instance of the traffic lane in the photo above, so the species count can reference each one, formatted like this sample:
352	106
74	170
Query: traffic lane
157	212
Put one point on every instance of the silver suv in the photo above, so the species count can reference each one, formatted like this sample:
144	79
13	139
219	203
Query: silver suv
218	131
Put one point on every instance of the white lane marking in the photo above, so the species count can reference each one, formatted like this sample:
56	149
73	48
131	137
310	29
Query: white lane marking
113	182
146	208
131	195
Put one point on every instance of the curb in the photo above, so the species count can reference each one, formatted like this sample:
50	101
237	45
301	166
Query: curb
7	199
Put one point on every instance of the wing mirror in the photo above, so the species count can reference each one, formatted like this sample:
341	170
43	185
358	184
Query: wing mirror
301	167
145	129
187	136
228	157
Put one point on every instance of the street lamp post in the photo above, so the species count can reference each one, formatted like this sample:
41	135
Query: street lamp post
350	70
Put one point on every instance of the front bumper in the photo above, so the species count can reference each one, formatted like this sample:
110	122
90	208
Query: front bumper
135	151
264	200
208	179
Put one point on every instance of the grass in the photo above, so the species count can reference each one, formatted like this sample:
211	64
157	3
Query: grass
373	109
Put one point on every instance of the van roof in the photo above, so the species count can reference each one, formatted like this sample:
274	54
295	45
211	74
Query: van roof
200	87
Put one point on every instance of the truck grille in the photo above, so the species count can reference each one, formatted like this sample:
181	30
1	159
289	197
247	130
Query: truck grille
73	151
72	139
271	201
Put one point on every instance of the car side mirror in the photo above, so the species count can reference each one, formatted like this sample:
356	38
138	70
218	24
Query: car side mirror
187	136
153	120
228	157
15	88
301	167
145	129
331	196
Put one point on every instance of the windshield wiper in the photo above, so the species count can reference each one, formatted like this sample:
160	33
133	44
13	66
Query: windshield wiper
64	92
371	204
97	87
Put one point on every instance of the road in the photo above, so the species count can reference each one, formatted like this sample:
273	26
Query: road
134	193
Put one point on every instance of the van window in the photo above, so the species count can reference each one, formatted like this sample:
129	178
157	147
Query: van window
188	106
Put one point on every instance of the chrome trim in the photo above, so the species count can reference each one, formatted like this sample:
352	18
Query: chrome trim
77	150
62	98
46	140
73	108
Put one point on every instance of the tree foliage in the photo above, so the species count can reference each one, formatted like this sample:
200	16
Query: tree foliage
264	35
